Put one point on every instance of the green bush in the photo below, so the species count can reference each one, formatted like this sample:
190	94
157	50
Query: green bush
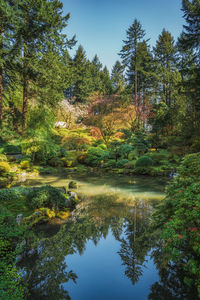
95	156
120	163
56	162
130	165
159	157
132	155
11	235
25	164
111	163
178	218
11	149
46	196
144	161
4	168
67	162
3	158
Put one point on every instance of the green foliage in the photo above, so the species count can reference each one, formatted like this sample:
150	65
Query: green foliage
95	156
3	158
144	161
25	164
140	143
57	162
178	217
10	235
46	196
159	157
10	149
130	165
121	163
4	168
111	163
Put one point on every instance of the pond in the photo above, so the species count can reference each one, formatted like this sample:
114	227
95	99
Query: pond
107	252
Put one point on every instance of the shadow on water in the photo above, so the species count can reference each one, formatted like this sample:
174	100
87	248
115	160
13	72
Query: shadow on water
107	253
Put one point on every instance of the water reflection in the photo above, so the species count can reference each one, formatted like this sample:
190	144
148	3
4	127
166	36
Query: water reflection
118	216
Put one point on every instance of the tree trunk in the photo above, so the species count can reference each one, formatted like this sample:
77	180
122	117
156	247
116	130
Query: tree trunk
25	104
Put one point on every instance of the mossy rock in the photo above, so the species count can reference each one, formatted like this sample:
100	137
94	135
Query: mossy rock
72	185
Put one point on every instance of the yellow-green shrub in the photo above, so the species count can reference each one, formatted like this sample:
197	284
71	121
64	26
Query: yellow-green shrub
25	164
4	168
3	157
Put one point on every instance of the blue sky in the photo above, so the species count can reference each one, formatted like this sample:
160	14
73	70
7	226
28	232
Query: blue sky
100	25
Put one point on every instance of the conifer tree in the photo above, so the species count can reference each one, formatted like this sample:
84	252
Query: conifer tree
8	23
165	58
40	31
129	52
117	77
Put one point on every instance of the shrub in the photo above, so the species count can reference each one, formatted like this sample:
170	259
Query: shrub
67	162
111	163
3	158
120	163
81	158
130	165
46	196
132	155
178	217
144	161
25	164
95	156
4	168
12	149
158	157
75	142
56	162
11	286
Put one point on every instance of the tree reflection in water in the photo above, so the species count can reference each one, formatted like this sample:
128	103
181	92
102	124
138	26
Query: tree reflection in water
45	268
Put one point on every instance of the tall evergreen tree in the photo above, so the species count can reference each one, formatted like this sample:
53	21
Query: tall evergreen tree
82	86
165	57
129	52
8	24
189	45
41	25
117	77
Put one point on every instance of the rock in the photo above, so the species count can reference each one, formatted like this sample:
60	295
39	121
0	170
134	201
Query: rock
19	218
73	195
72	185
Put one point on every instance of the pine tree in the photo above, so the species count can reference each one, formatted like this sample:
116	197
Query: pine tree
8	23
117	77
165	58
129	52
189	46
106	84
82	86
39	32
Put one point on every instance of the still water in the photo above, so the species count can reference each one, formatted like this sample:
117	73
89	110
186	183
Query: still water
107	251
